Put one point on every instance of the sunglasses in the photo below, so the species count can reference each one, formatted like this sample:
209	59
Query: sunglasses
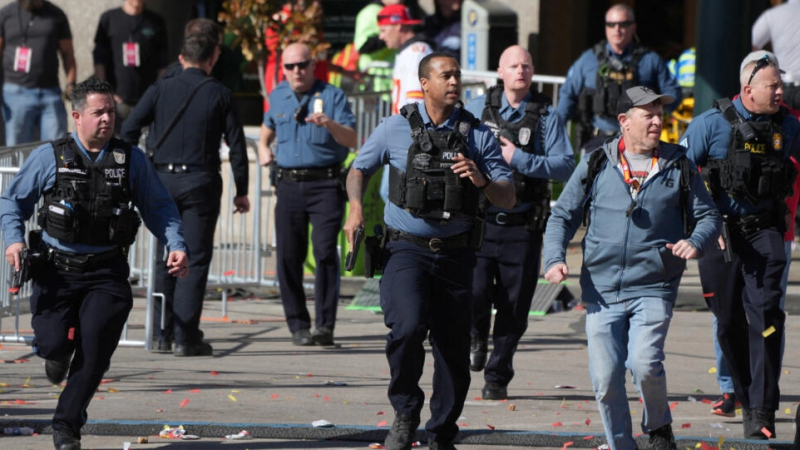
300	65
760	64
624	24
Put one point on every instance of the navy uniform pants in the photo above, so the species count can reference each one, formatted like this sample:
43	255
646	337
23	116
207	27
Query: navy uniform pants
320	203
746	301
428	294
506	273
197	196
84	313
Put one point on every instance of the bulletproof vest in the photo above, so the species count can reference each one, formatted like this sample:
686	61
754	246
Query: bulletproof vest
90	202
428	188
755	168
522	134
614	77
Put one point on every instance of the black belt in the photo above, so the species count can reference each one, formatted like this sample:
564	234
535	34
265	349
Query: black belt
311	173
80	262
508	219
434	244
183	168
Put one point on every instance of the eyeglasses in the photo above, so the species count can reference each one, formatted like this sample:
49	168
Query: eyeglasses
624	24
760	64
300	65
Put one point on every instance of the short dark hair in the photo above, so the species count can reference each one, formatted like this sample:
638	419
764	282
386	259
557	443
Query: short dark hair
424	70
198	48
203	26
87	87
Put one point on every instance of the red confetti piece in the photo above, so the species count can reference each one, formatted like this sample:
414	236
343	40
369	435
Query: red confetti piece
99	398
168	391
326	398
557	424
159	410
151	378
309	375
708	295
580	407
71	334
184	402
704	446
20	402
380	413
194	391
477	399
588	422
566	444
686	425
491	427
214	373
673	406
463	424
766	432
274	396
106	380
707	401
383	423
587	438
316	395
640	400
229	273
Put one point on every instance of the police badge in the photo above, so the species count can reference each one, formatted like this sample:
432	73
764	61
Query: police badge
119	156
524	135
777	141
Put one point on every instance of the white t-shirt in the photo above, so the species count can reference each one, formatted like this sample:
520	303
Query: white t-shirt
778	25
405	87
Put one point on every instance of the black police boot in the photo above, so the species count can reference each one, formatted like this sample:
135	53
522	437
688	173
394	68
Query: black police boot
479	350
56	370
663	439
762	424
63	441
433	445
403	433
494	391
199	349
323	336
302	338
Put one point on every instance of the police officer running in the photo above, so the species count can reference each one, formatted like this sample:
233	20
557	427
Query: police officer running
440	158
314	128
648	212
81	295
534	142
190	113
601	74
743	147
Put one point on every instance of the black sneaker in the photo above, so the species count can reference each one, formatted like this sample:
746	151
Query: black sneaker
762	425
201	349
494	391
302	338
479	351
726	405
56	370
433	445
323	336
663	439
403	433
63	441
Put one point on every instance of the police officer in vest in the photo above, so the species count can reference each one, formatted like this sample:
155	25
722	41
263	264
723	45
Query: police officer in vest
440	159
190	113
81	298
602	73
743	147
535	144
314	127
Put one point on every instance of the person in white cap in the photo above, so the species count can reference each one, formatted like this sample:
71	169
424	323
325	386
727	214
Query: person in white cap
743	147
648	213
778	27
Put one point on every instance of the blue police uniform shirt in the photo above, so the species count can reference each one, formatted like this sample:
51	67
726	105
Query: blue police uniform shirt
38	174
652	71
389	144
709	136
303	144
552	158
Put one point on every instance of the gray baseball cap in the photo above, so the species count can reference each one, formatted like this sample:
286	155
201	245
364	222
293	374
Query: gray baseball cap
640	96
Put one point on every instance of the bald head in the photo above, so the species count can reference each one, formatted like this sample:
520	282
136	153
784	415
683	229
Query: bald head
298	67
516	69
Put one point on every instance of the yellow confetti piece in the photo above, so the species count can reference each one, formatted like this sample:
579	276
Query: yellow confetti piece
2	390
235	391
786	372
4	384
697	445
719	444
112	390
768	331
230	396
346	402
26	382
712	370
787	411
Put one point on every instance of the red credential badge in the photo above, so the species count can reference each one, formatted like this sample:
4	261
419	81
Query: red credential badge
22	59
130	54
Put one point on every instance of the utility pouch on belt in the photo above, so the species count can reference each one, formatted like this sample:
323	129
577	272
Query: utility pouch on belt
124	225
70	263
537	217
373	253
60	220
476	234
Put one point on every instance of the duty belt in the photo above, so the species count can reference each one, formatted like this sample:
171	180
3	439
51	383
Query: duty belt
183	168
753	223
433	244
310	174
80	262
508	219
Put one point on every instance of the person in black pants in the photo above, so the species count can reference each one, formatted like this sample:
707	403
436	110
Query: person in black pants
190	113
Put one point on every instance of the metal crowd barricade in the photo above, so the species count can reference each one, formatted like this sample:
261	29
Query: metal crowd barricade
546	84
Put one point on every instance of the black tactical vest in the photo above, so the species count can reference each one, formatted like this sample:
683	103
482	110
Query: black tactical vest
90	202
522	134
428	189
756	167
614	77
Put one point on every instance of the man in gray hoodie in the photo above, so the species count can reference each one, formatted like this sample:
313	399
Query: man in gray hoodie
647	212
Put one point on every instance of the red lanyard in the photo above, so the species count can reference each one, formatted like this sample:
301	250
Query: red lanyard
626	170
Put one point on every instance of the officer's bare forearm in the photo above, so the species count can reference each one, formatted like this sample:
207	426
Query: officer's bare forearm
501	193
343	135
356	185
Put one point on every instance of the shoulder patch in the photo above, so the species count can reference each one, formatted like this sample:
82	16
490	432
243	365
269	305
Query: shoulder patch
119	156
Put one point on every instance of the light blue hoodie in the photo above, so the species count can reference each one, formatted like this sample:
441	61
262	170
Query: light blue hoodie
626	257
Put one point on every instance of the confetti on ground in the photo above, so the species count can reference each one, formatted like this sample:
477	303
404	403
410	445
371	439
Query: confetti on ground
673	406
240	436
567	444
113	391
322	423
25	384
588	422
707	401
168	391
787	411
557	424
463	424
159	410
491	427
172	433
184	402
380	413
230	396
376	446
214	373
588	438
712	370
768	331
326	398
766	432
194	391
686	425
383	423
512	407
274	395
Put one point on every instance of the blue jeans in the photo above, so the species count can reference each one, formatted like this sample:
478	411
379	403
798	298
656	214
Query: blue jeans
28	109
629	335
